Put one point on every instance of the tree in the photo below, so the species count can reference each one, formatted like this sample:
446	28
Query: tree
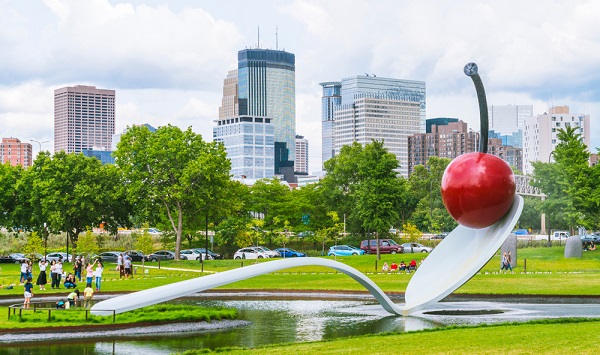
427	210
144	243
8	193
33	245
570	184
330	231
87	244
75	193
169	170
411	232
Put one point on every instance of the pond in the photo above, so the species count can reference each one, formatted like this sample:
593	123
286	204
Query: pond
301	320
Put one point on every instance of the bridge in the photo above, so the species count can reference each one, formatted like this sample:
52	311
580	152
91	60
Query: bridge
524	187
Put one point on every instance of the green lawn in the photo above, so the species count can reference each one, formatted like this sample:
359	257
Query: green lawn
31	318
548	272
546	337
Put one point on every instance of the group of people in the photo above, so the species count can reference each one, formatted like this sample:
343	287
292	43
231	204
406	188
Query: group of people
506	262
73	297
412	266
56	274
124	266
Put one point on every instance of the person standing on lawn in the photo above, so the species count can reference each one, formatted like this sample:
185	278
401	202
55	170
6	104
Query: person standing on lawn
99	270
42	280
28	292
88	293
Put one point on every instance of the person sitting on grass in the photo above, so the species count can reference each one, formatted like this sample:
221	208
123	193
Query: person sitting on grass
402	266
592	246
70	281
394	267
385	267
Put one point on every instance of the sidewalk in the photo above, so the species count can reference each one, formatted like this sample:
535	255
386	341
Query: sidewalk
174	269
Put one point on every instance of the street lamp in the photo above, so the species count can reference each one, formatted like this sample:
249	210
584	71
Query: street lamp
548	224
39	143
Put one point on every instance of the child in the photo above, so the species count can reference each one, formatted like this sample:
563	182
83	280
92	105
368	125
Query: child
88	293
28	292
72	297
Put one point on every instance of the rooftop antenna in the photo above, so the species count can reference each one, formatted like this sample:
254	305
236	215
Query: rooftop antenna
276	38
258	45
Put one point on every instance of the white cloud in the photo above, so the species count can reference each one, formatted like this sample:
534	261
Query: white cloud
167	60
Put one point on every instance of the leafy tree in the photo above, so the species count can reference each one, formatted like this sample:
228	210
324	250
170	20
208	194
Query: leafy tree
87	244
411	232
144	243
33	245
8	193
170	170
570	184
75	192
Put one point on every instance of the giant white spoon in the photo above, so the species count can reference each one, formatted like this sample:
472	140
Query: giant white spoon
456	259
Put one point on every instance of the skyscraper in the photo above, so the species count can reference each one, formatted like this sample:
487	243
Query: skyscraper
267	88
301	162
384	109
331	98
84	118
261	90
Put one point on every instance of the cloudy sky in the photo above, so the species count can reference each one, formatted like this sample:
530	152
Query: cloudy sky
167	59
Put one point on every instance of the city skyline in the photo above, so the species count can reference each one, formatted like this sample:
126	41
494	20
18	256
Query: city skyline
173	72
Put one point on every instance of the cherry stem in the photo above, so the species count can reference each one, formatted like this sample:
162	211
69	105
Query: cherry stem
471	70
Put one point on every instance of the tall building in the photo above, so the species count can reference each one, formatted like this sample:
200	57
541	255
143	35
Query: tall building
301	162
540	134
267	88
84	118
331	98
383	109
229	104
507	119
262	87
13	151
250	145
449	140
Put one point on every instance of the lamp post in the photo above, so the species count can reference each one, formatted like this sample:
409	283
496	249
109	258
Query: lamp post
39	143
548	224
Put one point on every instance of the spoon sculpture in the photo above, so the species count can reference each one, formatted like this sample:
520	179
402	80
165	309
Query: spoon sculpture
478	189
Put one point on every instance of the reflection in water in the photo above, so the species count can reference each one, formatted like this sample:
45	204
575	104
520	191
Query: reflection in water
276	321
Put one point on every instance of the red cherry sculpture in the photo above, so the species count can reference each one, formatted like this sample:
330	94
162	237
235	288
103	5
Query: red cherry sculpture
478	189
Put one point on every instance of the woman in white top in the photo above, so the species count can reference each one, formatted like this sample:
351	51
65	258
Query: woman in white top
58	270
42	280
98	273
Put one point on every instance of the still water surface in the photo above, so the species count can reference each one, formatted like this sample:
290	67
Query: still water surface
277	321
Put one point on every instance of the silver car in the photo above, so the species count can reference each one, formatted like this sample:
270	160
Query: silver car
416	248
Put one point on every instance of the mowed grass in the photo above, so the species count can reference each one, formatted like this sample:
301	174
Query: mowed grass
542	337
76	316
547	273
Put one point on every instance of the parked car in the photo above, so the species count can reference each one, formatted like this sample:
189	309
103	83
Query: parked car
5	259
136	255
416	248
289	253
17	258
154	231
161	255
57	256
191	254
440	236
270	253
588	238
344	250
108	256
210	253
521	231
386	246
250	253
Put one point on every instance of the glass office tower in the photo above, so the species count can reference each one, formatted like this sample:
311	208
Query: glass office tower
267	88
331	98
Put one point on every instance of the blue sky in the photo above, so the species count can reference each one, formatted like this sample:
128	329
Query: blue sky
167	59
